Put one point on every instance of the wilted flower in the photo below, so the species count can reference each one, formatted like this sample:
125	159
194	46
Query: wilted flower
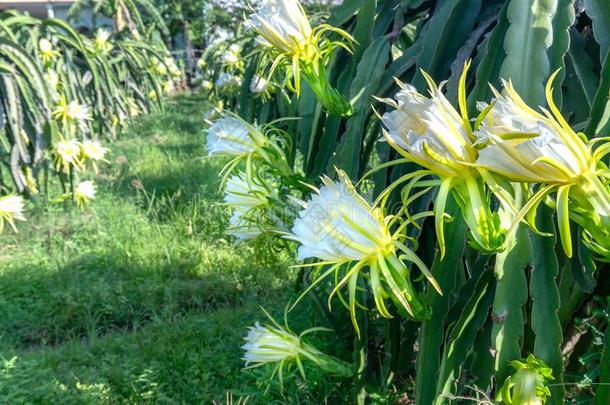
290	42
273	344
432	133
234	137
68	155
340	228
258	85
133	108
11	210
84	193
528	384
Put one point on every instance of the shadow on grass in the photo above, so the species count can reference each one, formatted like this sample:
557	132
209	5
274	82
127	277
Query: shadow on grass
96	294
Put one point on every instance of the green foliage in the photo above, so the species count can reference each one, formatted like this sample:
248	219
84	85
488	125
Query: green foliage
141	298
485	318
61	86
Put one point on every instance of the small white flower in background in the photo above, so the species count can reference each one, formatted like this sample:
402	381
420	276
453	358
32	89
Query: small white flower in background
265	345
52	78
236	49
258	85
172	67
227	80
47	53
429	130
338	224
524	145
206	85
84	193
168	87
232	136
73	113
230	58
101	40
93	150
134	109
11	210
201	63
45	46
68	154
282	24
159	67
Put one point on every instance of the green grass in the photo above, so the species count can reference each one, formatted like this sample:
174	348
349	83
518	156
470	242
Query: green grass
141	298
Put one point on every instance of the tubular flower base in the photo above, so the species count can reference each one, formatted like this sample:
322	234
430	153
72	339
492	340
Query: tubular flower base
340	228
232	136
528	384
290	41
523	145
328	96
273	344
431	133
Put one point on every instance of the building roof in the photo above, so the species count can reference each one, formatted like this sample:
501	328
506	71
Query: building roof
18	3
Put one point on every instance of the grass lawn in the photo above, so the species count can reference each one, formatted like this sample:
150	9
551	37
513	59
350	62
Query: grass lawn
141	298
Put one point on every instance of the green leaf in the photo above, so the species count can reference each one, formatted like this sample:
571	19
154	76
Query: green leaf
488	71
511	295
583	67
599	124
432	332
602	392
462	337
529	36
446	33
368	75
562	21
599	11
345	12
544	294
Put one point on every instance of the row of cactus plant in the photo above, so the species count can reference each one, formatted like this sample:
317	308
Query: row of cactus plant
62	96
